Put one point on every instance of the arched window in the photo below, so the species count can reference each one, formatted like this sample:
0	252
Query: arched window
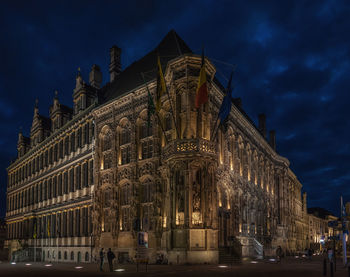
107	141
59	255
86	256
65	255
125	194
145	130
125	136
79	257
125	202
146	192
72	256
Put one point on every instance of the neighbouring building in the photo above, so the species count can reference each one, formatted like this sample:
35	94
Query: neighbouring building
102	175
319	231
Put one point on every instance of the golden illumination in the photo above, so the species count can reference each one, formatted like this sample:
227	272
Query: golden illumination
179	218
196	218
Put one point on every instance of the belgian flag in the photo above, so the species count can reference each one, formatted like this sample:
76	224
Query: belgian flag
202	90
161	87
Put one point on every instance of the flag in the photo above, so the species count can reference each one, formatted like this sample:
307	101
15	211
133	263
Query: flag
161	87
34	234
343	210
150	109
226	103
202	91
48	227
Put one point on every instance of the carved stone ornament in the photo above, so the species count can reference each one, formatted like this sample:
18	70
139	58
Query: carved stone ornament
146	168
124	173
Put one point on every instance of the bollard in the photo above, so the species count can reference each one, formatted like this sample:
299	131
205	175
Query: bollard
325	267
331	268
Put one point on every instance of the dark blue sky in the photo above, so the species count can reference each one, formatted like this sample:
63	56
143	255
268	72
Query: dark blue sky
292	62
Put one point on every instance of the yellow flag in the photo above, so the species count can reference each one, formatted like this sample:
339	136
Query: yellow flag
161	87
34	235
48	227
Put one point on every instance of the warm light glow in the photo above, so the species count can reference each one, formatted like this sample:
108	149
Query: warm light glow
196	218
13	263
48	265
253	262
240	227
223	266
119	269
164	222
28	264
78	267
180	218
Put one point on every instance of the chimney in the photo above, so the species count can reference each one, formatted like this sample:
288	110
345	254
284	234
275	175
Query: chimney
273	139
95	76
262	124
238	102
115	63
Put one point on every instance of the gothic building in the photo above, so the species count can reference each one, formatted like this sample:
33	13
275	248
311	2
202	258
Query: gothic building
102	173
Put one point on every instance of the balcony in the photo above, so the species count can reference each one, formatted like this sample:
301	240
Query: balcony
189	146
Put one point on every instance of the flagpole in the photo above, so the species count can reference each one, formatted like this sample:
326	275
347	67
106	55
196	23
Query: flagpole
35	249
216	122
228	91
170	102
343	231
172	112
160	122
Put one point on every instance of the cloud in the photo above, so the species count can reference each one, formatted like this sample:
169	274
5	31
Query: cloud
292	62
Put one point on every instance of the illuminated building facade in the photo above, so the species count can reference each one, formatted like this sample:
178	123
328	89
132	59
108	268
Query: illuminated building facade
99	174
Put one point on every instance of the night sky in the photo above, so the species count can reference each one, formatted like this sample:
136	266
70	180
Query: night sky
292	63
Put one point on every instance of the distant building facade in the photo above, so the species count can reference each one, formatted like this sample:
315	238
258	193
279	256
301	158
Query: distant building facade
101	174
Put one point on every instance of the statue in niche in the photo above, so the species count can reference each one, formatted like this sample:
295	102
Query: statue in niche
113	220
96	221
181	205
196	197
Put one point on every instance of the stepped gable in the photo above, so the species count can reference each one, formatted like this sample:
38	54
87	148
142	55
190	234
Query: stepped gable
170	47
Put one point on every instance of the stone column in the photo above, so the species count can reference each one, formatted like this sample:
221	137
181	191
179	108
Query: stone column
187	217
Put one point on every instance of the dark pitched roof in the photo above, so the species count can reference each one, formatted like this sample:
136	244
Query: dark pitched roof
46	122
319	212
169	48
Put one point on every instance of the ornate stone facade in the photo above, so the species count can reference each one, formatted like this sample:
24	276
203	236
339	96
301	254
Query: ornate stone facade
194	192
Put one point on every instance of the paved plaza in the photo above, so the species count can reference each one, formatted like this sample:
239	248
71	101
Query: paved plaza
288	267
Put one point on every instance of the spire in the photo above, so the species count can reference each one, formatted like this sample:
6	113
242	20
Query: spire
78	80
36	108
55	99
20	136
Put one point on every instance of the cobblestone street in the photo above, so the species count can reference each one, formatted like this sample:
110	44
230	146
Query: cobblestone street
288	267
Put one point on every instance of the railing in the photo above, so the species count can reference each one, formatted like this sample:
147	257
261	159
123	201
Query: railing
189	146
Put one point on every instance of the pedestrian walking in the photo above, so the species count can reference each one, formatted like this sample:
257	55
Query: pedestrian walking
102	255
279	253
110	257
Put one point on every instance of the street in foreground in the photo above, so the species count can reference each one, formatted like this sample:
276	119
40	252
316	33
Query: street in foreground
288	267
